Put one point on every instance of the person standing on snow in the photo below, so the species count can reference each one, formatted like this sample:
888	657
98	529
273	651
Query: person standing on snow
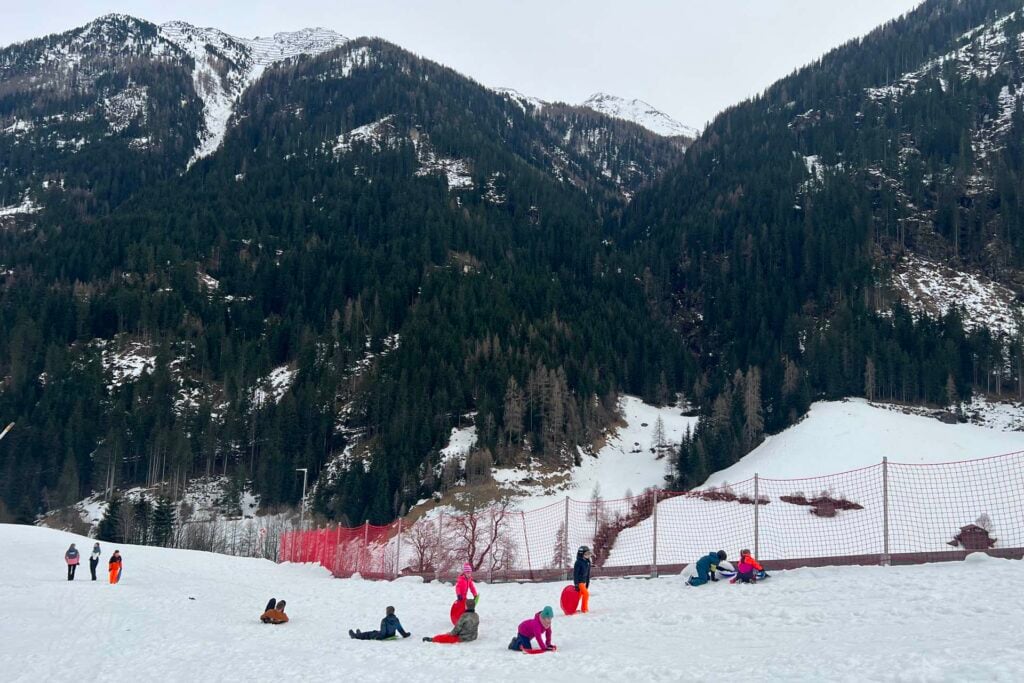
706	568
581	576
464	586
71	558
94	560
114	566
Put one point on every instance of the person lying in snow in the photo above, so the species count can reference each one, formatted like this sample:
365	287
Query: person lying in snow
706	568
748	569
274	614
389	625
465	630
538	628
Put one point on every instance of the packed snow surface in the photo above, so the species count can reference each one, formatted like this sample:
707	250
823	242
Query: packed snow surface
187	616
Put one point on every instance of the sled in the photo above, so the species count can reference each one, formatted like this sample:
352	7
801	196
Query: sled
458	607
570	600
536	650
760	575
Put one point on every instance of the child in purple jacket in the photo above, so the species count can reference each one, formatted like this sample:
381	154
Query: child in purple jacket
538	628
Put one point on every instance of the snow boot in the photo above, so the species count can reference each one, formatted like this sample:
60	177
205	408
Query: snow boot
427	639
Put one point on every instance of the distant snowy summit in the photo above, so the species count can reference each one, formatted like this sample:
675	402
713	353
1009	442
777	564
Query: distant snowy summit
634	111
641	113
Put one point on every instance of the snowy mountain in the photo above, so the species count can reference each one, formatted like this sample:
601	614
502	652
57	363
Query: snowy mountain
225	65
641	113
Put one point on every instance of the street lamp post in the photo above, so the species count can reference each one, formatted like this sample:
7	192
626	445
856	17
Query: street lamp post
302	509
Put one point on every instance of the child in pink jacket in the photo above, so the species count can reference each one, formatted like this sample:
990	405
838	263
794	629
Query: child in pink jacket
464	586
538	628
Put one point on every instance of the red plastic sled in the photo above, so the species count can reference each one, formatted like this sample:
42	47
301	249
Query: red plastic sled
458	607
536	651
570	600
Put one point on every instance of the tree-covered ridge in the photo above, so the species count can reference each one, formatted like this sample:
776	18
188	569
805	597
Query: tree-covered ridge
364	202
779	230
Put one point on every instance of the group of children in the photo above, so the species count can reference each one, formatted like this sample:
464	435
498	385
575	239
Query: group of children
537	628
72	558
748	569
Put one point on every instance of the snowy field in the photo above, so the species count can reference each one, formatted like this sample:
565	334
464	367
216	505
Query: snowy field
188	616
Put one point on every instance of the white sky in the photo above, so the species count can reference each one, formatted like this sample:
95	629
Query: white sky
689	58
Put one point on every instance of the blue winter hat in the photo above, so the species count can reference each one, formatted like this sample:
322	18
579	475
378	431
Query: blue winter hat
547	612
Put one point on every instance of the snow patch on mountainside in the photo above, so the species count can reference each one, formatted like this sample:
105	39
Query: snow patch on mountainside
641	113
525	102
26	206
376	134
931	288
125	107
226	65
274	386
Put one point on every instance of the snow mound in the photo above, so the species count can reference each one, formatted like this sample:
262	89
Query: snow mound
957	621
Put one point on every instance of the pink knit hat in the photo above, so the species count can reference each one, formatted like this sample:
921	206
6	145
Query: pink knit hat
467	568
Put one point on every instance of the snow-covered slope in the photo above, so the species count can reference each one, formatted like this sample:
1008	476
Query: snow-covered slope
844	435
226	65
187	616
641	113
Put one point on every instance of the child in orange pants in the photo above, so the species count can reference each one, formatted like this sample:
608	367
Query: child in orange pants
115	566
581	576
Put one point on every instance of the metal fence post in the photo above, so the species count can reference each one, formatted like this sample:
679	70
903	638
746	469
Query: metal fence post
526	540
886	558
437	548
565	542
654	544
366	543
757	525
398	550
490	565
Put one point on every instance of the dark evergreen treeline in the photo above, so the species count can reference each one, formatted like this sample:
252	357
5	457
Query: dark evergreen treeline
781	227
506	300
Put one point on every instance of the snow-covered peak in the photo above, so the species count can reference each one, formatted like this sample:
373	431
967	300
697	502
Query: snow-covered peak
521	99
248	58
639	112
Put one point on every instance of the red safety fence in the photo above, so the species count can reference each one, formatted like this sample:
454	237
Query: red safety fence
886	513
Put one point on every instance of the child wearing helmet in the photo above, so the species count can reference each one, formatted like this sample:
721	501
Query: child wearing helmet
706	568
538	628
581	576
464	586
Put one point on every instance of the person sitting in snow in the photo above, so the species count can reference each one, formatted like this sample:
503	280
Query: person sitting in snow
538	628
464	586
274	614
581	576
706	568
465	629
389	626
748	568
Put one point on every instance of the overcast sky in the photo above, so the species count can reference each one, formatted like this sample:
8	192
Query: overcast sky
689	58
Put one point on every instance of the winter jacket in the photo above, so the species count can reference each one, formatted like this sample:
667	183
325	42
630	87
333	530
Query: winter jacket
534	630
71	556
390	625
581	571
467	626
707	565
95	556
749	563
464	586
273	616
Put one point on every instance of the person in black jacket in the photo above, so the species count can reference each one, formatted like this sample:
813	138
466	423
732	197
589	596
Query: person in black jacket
581	576
389	626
